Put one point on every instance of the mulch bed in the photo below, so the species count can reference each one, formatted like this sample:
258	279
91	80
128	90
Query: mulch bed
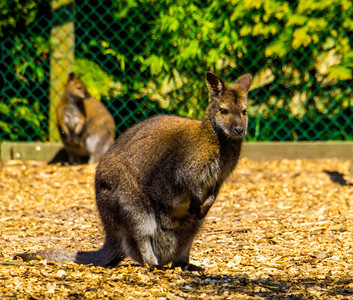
278	230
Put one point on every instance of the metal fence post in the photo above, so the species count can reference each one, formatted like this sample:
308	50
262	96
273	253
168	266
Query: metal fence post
62	57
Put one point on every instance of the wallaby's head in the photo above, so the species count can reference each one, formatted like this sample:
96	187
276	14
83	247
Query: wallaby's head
227	110
75	88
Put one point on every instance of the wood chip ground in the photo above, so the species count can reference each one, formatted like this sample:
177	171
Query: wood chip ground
278	230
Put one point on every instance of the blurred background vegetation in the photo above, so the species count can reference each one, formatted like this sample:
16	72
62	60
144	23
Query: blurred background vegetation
144	57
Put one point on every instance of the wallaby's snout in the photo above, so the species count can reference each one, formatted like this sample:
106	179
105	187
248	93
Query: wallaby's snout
239	129
239	125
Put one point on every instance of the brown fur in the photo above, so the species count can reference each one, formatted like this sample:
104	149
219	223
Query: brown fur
157	182
85	125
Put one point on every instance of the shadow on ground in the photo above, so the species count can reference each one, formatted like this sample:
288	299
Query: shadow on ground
62	157
271	288
337	178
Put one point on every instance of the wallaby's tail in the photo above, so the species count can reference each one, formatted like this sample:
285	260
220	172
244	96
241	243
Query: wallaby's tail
106	256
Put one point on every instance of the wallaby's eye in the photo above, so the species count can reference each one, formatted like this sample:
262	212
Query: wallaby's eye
223	111
245	112
79	87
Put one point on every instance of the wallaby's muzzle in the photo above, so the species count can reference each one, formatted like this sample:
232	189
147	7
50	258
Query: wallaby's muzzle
239	130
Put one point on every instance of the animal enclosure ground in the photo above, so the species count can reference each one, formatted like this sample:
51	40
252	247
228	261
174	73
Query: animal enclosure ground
278	230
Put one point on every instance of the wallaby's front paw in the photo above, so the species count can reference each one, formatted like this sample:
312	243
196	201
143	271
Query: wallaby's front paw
197	212
202	210
194	210
201	215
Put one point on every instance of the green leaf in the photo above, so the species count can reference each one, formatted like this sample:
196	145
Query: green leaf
339	72
98	82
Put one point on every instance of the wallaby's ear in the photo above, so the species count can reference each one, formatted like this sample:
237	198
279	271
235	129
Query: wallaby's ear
245	80
214	84
71	77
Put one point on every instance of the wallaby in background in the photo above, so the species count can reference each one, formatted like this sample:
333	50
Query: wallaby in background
86	127
157	182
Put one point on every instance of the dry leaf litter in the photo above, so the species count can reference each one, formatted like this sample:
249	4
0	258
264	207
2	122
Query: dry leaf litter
278	230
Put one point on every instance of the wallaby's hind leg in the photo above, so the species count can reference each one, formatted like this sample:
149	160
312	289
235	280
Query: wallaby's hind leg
94	158
127	220
137	243
143	253
93	144
97	145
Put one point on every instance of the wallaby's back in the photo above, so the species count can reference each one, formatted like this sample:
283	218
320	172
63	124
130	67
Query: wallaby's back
157	182
85	125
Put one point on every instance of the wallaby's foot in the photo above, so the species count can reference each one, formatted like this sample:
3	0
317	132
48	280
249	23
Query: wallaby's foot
188	267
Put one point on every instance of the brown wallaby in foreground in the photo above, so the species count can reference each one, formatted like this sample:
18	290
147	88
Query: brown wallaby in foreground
157	182
86	127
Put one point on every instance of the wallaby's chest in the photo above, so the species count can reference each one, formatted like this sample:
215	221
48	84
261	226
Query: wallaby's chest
72	116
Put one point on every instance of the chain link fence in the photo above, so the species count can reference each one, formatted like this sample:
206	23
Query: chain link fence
145	57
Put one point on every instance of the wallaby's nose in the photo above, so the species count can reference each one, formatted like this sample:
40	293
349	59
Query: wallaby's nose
238	129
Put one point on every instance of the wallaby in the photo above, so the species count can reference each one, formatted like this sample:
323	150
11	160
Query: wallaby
86	127
157	182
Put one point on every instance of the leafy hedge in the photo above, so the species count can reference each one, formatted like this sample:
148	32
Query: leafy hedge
147	56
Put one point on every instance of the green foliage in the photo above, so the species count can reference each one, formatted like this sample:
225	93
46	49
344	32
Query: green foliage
28	51
289	47
24	61
148	56
17	15
19	120
98	82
